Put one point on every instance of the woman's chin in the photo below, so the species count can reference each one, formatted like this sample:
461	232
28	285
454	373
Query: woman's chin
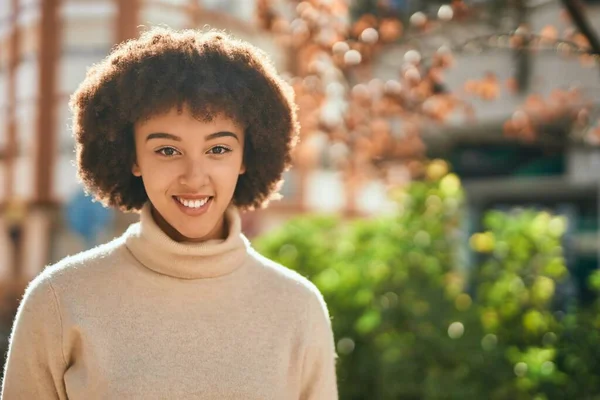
185	228
193	235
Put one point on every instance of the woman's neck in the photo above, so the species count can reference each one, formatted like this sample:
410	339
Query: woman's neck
155	249
219	232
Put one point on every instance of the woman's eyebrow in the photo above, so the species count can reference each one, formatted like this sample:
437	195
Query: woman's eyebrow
163	135
222	134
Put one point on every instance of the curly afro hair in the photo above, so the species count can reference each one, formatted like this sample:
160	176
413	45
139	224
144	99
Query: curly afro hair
207	71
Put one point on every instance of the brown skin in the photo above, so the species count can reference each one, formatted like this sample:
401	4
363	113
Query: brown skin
179	156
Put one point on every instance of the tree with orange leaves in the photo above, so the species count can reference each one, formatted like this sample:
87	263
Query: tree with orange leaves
337	44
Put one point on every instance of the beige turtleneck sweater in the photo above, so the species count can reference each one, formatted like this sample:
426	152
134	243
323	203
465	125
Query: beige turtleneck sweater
145	317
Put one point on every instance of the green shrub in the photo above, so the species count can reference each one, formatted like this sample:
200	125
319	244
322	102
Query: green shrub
411	323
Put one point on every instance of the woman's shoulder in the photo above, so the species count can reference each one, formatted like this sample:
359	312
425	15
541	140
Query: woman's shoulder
292	289
84	265
71	274
276	275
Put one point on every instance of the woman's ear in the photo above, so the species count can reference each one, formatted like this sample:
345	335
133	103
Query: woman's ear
135	170
243	169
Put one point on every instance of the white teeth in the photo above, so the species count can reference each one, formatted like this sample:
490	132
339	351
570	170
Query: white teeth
193	203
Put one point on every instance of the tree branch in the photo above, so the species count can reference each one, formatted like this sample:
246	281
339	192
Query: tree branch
577	13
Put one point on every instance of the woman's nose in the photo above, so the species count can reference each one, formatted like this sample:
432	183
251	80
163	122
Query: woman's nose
195	174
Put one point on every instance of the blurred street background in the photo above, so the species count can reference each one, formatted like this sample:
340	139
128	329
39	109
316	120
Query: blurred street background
444	196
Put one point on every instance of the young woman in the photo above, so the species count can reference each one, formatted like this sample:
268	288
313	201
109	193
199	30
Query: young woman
186	128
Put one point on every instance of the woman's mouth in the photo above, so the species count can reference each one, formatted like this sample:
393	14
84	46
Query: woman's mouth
193	203
193	206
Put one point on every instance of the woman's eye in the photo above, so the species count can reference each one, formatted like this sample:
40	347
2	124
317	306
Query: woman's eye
167	151
219	150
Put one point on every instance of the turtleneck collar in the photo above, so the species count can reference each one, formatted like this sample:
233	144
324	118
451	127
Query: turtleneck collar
157	251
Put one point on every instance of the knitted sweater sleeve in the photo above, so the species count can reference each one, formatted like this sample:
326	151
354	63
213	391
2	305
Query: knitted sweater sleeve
319	380
35	363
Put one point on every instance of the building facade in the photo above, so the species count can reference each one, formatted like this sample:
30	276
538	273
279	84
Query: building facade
46	47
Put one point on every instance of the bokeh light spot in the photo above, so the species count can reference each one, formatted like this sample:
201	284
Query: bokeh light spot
547	368
463	302
345	346
489	342
456	330
520	369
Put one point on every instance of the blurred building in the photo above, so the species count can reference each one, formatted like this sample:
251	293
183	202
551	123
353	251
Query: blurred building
45	48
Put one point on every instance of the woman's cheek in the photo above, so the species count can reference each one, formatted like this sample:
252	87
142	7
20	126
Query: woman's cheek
164	173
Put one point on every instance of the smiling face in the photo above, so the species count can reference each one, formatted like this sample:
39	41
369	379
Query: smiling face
190	170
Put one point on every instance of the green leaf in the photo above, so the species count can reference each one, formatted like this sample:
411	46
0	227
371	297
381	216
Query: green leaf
368	322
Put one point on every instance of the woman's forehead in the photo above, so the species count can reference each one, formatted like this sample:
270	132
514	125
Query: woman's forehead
207	115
